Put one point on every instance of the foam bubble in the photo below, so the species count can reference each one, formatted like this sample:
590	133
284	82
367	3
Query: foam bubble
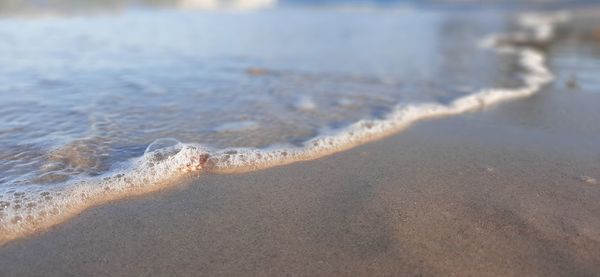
27	209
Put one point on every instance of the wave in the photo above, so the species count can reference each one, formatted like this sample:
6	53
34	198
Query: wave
28	209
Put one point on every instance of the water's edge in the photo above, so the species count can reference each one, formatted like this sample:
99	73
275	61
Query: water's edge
30	209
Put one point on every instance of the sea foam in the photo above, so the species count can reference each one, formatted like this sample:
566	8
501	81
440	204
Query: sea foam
30	208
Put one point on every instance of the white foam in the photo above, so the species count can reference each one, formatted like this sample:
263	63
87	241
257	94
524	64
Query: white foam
27	209
226	4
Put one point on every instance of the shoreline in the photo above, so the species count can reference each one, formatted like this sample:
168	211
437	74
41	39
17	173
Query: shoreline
152	171
476	194
494	182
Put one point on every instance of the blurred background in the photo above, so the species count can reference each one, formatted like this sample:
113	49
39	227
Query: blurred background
71	6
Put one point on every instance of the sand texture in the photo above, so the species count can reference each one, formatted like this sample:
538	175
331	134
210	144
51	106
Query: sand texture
509	191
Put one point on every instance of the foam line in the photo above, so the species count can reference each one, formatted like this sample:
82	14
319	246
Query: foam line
25	210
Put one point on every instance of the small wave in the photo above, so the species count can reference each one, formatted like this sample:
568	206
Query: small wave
27	209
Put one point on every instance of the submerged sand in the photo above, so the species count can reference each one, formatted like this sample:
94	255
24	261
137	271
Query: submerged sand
509	191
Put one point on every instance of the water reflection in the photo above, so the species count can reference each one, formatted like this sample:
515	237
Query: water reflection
94	91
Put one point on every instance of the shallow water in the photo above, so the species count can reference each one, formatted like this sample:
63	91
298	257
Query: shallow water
78	94
97	108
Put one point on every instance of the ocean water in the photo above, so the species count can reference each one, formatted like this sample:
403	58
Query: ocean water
96	108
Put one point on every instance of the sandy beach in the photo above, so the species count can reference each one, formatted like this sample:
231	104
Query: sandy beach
509	191
275	138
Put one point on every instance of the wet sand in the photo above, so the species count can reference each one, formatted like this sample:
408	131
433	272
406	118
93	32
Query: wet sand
510	191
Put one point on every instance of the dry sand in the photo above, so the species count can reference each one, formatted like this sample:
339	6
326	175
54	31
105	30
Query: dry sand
510	191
